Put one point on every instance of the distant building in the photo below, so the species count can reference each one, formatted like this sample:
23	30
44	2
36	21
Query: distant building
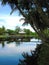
22	33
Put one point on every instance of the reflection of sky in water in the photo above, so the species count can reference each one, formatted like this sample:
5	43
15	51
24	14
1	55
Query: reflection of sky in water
11	53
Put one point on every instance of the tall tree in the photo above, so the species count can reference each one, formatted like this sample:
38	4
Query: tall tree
36	13
2	30
17	29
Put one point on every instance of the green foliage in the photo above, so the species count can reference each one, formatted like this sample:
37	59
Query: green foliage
17	29
46	31
31	59
30	33
44	55
10	32
35	13
27	31
40	56
35	35
2	30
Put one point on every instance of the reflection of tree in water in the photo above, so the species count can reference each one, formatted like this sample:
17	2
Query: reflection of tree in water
8	42
31	59
17	43
2	42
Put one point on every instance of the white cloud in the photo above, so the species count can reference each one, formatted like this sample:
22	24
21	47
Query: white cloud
11	22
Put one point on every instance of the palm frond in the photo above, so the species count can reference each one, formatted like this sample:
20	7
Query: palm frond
26	22
13	10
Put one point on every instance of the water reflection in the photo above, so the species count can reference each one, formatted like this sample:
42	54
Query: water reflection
3	43
31	59
18	42
10	52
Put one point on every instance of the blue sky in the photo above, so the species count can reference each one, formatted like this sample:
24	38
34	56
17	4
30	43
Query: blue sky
10	21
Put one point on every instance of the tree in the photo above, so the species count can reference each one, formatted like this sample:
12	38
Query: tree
27	31
17	29
31	59
10	32
35	13
43	58
2	30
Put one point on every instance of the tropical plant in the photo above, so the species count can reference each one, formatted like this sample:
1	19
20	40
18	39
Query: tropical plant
10	32
27	31
35	12
31	59
17	29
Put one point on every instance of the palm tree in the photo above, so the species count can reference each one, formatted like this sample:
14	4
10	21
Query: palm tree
34	14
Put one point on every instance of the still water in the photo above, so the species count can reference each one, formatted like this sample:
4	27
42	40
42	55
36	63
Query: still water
11	52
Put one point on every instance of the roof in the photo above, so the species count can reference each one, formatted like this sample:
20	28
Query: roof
22	32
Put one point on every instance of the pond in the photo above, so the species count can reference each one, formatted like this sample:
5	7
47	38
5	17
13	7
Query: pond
11	52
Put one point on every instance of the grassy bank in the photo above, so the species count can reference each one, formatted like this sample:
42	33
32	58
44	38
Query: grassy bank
13	37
